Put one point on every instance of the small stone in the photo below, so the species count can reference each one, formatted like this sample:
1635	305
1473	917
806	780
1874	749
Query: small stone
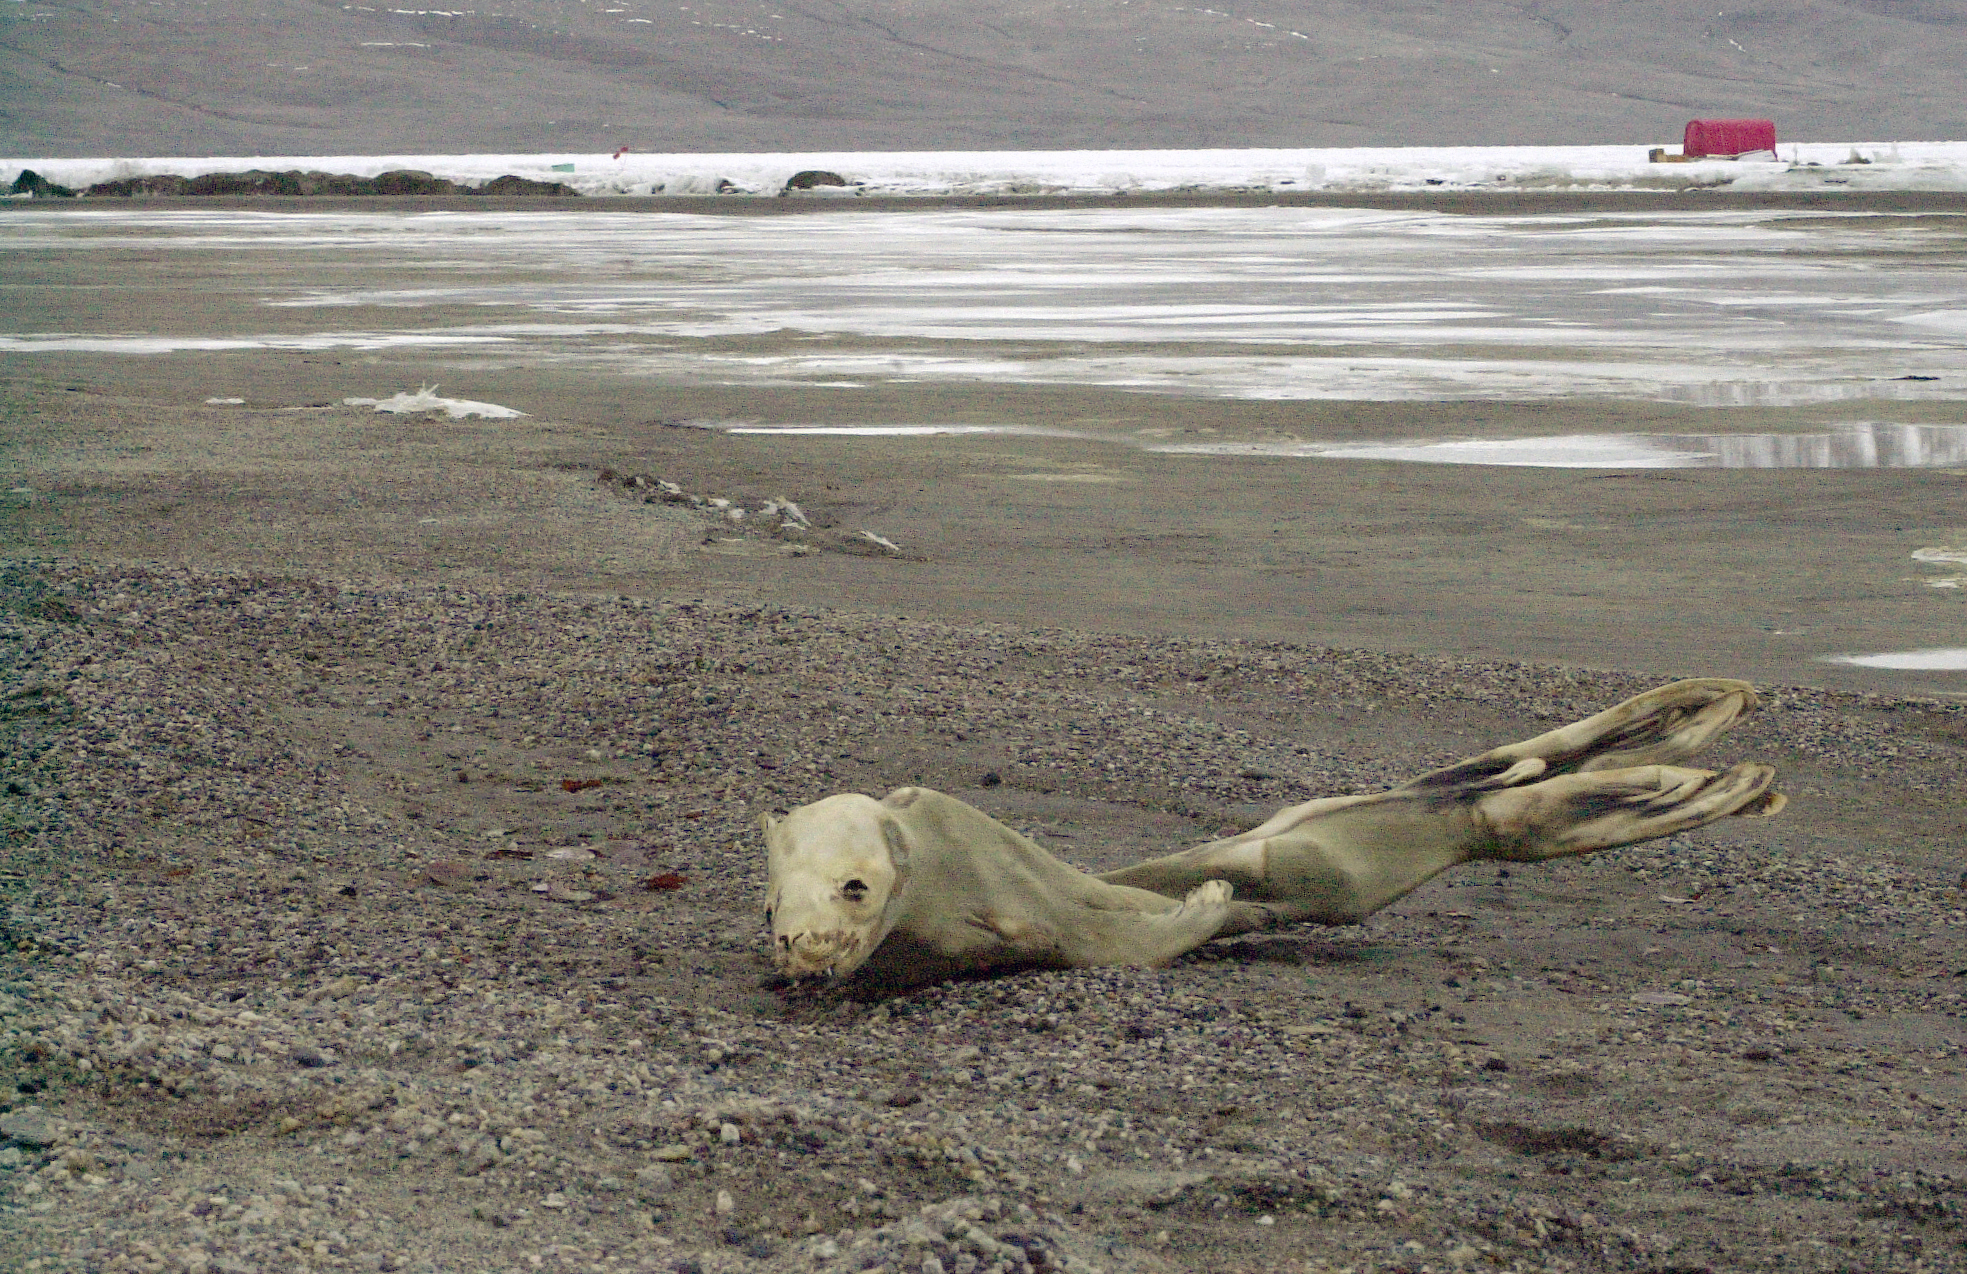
313	1058
30	1126
725	1203
336	989
673	1153
478	1157
931	1265
728	1134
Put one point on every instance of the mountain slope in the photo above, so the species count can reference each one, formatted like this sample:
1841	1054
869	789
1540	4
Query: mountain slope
82	77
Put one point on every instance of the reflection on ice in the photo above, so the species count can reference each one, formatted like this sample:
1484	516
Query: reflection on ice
1942	660
1573	451
1872	445
1867	446
69	343
1857	446
897	431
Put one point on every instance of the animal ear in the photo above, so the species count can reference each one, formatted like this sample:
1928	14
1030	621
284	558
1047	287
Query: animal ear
897	843
766	823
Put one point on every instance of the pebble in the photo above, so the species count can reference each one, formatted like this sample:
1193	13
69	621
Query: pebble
233	925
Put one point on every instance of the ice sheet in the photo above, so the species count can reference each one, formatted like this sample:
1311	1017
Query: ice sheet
1713	308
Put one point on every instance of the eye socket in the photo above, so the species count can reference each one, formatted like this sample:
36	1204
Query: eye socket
855	890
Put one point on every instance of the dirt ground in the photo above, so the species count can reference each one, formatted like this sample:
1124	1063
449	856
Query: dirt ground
382	880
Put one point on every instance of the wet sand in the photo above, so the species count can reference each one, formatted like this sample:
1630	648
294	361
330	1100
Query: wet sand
1672	572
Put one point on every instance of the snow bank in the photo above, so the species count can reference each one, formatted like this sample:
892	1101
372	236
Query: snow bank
426	399
1937	166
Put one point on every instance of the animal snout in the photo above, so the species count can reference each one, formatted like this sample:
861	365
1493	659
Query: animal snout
810	954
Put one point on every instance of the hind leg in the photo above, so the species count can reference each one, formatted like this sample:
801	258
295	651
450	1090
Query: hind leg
1338	861
1664	726
1579	813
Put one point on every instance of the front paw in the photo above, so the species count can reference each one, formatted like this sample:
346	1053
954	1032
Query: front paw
1210	895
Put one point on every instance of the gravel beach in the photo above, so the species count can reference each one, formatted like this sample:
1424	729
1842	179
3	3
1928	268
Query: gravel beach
419	929
383	891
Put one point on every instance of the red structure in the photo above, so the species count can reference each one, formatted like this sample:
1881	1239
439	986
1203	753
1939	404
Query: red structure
1727	138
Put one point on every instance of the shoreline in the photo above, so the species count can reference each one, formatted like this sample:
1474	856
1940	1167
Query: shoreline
1473	203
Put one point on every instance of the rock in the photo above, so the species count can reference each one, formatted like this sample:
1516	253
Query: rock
30	1126
814	177
514	185
336	989
479	1155
320	183
677	1153
129	187
409	181
32	183
1155	1189
251	182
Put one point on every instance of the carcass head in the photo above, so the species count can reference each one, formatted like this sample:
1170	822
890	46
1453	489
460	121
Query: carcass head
836	872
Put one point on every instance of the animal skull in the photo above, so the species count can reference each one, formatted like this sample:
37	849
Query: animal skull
837	870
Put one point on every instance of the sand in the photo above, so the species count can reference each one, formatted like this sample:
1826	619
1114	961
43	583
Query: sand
382	876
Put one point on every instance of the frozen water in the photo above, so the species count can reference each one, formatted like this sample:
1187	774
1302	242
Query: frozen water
1714	308
1940	660
1856	446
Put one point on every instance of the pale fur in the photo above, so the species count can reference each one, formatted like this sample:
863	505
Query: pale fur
919	885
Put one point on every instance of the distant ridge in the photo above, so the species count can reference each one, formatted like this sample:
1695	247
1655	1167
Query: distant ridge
311	77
